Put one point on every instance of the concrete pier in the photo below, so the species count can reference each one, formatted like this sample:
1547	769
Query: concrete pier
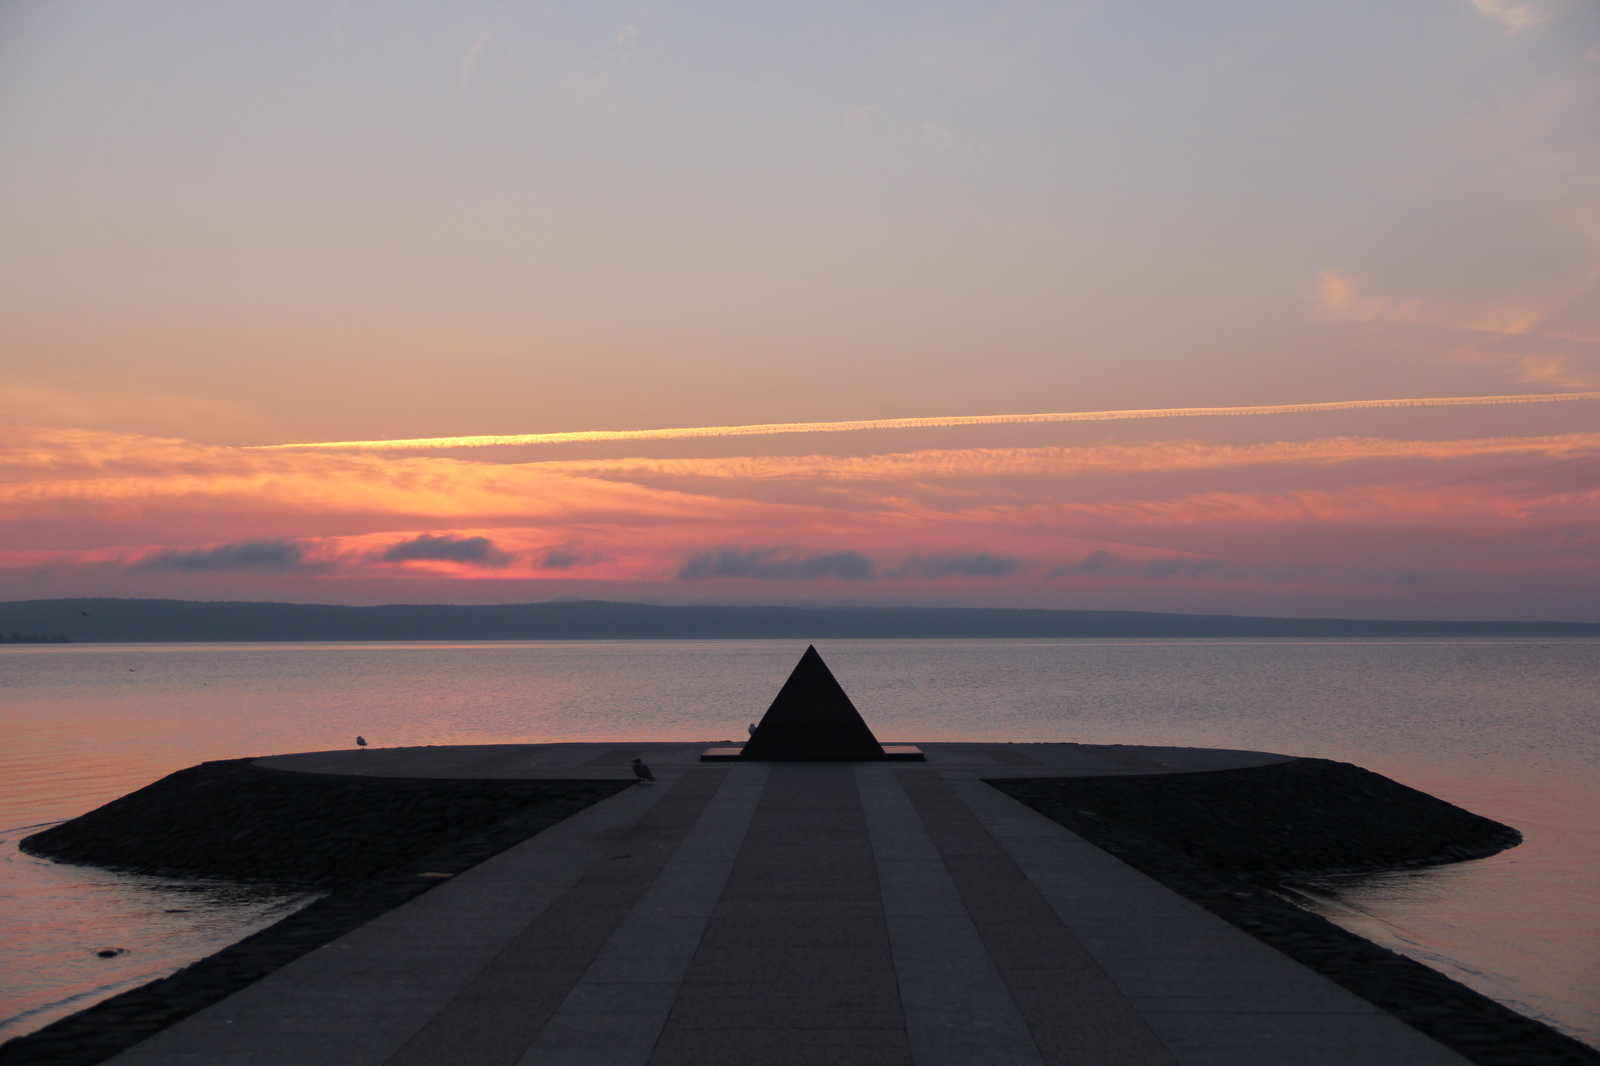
793	913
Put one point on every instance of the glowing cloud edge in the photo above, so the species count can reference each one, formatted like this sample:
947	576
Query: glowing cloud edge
419	443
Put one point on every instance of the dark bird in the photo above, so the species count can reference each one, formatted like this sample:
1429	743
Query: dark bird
84	613
752	729
641	771
361	742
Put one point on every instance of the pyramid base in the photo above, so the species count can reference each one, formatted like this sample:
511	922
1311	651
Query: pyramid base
891	753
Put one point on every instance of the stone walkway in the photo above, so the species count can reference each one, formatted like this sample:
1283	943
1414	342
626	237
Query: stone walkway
830	914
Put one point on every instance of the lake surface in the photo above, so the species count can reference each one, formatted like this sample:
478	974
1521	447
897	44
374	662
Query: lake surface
1504	728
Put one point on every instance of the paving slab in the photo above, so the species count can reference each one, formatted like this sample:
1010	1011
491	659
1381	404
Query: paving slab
792	913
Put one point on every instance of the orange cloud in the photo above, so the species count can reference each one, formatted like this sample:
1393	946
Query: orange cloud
152	514
1549	341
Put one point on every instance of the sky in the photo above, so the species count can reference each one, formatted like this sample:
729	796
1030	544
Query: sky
482	302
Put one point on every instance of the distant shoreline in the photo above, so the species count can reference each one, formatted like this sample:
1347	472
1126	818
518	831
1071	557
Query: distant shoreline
151	620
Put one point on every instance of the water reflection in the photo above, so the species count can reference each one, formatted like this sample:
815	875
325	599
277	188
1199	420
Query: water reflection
73	935
1544	962
1503	728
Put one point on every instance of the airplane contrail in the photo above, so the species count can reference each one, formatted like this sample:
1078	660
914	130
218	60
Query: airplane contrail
419	443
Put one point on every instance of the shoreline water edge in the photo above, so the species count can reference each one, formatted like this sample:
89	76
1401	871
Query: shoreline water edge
1230	840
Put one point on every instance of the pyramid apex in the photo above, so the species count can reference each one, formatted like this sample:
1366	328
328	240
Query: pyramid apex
812	719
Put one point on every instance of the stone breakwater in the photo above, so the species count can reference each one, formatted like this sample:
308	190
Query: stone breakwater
232	820
1305	817
406	832
1227	838
1223	838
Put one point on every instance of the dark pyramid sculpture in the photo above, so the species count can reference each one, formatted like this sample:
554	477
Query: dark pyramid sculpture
812	719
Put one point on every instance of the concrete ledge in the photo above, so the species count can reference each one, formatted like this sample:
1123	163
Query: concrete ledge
891	753
235	820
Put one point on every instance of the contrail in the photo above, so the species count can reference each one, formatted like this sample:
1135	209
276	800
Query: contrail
921	423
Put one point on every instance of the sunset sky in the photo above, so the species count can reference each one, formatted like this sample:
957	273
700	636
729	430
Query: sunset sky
232	227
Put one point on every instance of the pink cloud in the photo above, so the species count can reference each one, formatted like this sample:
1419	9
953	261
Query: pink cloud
1336	519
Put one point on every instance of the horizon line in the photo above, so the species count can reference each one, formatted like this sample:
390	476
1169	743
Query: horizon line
938	421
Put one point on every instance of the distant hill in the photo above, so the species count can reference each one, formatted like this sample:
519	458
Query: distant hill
188	620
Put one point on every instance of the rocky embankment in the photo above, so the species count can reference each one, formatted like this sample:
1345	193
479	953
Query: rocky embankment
1229	839
231	819
1305	817
377	842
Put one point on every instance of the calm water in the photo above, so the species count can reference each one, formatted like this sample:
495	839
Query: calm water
1504	728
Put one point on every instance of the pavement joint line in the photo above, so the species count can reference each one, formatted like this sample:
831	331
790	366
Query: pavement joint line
497	1016
940	959
686	889
472	911
1076	1015
795	962
800	913
1266	1009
